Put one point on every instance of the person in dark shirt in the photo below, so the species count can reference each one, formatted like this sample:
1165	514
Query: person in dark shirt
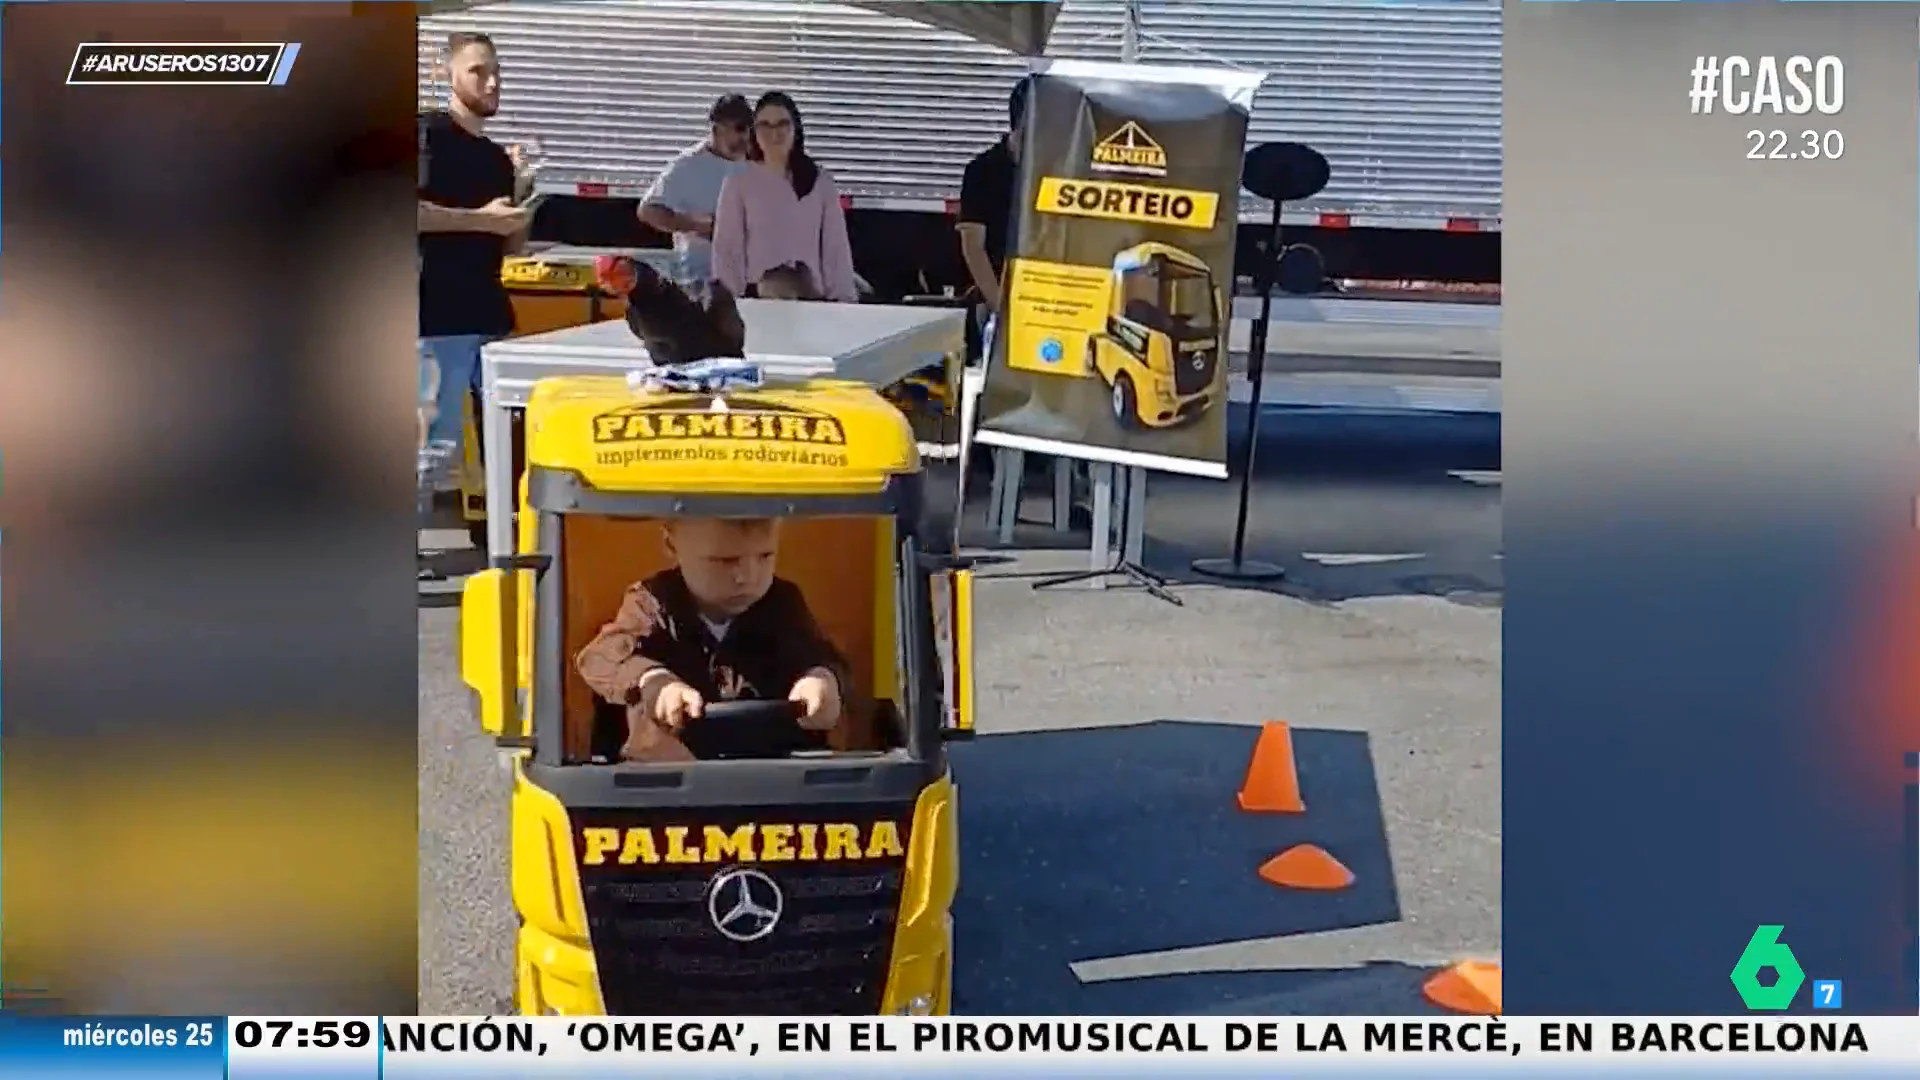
719	626
986	204
468	224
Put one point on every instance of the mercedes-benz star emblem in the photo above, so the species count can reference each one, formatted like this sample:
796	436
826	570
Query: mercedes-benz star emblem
744	904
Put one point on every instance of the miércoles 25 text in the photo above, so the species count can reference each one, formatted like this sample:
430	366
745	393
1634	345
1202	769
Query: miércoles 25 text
954	1037
104	1034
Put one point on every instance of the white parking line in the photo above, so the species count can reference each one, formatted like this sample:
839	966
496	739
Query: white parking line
1355	558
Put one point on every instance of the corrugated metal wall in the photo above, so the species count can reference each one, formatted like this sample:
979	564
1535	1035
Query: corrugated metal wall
1402	95
612	89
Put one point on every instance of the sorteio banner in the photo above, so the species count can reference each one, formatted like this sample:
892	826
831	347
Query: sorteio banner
1112	337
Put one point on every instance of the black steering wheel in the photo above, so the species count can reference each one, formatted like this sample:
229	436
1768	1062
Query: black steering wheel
744	730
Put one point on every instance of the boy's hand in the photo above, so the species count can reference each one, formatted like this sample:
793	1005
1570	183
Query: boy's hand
819	691
675	703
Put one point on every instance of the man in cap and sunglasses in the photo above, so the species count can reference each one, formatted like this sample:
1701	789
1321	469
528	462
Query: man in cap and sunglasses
686	194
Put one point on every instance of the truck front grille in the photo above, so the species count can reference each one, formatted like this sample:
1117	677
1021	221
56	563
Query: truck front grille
1193	371
659	953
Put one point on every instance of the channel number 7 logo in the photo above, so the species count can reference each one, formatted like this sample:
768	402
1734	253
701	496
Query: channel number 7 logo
1765	950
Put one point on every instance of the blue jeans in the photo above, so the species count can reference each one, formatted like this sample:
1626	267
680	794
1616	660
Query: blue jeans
458	357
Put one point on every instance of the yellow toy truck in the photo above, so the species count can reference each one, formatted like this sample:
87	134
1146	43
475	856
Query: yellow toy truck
1160	352
818	883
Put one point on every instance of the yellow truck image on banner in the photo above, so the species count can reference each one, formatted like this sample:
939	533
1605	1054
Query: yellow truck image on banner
1111	342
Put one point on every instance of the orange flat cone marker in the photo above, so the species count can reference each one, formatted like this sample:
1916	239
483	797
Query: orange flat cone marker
1471	987
1306	867
1271	786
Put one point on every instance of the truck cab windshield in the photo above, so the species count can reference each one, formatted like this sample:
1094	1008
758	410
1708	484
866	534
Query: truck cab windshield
1171	298
694	639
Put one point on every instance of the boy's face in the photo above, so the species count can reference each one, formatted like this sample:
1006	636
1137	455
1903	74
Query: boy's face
727	565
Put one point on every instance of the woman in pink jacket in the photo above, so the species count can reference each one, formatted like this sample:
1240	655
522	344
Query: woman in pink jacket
783	211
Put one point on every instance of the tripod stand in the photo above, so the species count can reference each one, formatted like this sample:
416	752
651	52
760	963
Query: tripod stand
1153	584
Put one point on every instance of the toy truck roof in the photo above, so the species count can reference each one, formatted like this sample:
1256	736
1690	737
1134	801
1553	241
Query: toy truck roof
808	437
1141	255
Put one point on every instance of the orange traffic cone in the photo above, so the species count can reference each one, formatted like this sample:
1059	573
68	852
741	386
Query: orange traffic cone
1306	867
1271	786
1471	987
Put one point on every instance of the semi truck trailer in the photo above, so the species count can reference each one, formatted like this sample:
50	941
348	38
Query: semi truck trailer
1402	96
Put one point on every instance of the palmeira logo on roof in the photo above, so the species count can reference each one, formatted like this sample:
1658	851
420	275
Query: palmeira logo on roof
742	419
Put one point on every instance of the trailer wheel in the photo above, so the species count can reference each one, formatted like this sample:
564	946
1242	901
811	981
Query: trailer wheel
1126	410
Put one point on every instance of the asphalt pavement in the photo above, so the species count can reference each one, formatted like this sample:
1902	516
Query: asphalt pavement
1105	866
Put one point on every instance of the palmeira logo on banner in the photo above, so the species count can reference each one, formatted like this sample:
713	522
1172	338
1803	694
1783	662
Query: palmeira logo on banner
1112	344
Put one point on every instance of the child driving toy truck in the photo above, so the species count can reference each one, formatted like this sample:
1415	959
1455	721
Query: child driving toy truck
718	626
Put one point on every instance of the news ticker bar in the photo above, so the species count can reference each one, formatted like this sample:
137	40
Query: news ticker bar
359	1048
114	63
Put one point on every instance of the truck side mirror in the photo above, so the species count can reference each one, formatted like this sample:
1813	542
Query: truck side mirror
489	639
959	586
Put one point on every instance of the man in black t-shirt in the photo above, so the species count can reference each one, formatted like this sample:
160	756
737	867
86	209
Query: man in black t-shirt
468	225
986	204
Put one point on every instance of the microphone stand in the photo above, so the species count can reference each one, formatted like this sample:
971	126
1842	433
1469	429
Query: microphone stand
1239	567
